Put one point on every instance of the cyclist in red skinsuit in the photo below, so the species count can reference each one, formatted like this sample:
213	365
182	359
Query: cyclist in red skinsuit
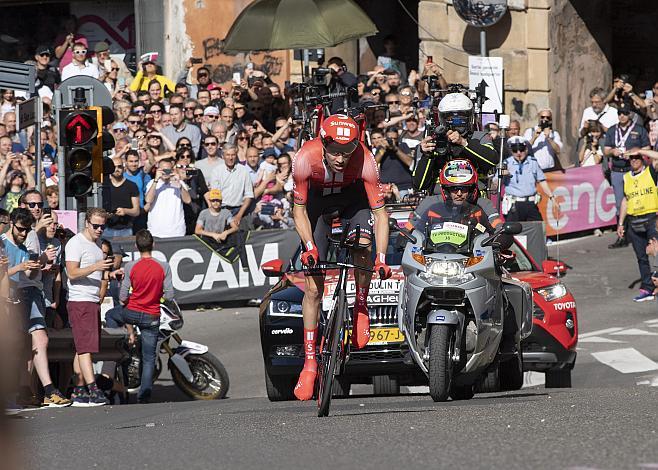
336	174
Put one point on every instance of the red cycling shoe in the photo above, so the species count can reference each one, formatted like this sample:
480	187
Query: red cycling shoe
306	383
361	326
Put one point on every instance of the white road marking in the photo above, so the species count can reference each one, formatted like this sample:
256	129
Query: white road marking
626	361
533	379
598	339
655	320
634	332
598	332
651	383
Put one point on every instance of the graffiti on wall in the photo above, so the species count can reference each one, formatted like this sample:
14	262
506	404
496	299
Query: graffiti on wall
213	48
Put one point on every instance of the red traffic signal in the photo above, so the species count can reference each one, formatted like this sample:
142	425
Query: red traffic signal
80	127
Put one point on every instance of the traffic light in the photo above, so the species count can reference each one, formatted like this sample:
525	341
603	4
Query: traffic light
84	142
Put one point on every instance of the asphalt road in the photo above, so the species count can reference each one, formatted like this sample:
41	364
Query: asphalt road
606	421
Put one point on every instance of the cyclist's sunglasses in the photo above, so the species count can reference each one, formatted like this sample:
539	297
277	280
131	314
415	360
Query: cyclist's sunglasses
517	148
462	189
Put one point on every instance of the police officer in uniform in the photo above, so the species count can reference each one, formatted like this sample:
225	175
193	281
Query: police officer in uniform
619	137
638	210
520	181
456	118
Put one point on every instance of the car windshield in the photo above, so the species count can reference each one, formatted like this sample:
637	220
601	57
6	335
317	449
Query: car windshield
521	261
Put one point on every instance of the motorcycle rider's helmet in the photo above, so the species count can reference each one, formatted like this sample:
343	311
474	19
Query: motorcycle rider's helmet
456	173
339	134
456	113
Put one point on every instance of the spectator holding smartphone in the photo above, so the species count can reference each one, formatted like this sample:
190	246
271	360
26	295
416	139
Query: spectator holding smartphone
85	267
165	196
24	269
51	276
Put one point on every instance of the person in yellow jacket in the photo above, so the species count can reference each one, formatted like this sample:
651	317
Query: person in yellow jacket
638	213
146	72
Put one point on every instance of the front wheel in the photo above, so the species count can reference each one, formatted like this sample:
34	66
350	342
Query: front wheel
329	354
442	345
210	379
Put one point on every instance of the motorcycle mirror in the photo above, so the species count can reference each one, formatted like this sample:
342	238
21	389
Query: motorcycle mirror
512	228
273	268
393	225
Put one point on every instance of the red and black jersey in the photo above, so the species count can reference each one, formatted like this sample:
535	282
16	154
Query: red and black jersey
311	174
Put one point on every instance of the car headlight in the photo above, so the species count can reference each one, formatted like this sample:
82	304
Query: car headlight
283	306
553	292
445	273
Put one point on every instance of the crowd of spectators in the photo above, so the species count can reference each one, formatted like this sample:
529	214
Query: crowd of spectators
179	137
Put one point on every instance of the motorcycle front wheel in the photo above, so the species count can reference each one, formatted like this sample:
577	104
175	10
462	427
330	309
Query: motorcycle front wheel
442	346
210	379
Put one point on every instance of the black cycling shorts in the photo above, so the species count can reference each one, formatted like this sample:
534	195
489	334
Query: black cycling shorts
351	208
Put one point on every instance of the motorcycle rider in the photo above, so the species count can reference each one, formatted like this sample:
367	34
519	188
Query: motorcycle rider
459	195
459	173
453	138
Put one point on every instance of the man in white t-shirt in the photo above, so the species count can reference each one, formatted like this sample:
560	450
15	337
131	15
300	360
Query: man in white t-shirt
85	265
165	196
79	64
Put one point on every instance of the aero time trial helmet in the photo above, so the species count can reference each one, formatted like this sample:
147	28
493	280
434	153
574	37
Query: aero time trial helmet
339	134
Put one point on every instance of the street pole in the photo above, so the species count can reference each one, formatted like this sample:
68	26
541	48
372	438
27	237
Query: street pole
483	42
307	72
61	180
37	143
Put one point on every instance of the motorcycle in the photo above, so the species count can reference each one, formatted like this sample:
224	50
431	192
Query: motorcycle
461	313
194	370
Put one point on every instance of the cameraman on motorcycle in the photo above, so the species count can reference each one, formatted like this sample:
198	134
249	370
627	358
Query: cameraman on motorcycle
453	138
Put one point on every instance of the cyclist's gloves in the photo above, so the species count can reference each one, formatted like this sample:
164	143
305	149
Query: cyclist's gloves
311	256
381	268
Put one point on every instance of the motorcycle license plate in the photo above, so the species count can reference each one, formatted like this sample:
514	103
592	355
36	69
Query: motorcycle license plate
384	335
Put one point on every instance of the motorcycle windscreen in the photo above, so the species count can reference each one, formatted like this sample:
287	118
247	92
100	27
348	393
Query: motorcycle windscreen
448	237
